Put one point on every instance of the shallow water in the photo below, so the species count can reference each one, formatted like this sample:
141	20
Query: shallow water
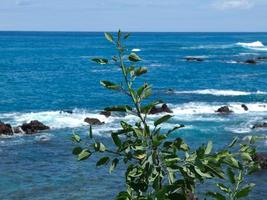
44	73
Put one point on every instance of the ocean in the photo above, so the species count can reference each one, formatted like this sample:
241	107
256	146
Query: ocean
44	73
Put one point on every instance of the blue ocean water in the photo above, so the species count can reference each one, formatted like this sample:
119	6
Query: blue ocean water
42	73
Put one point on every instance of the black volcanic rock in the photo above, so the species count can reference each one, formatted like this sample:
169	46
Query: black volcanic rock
5	129
93	121
260	125
163	108
105	113
194	59
250	61
33	127
244	107
224	110
261	158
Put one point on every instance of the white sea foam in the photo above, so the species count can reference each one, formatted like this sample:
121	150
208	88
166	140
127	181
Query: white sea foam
209	46
250	44
194	111
257	46
205	108
136	50
55	119
220	92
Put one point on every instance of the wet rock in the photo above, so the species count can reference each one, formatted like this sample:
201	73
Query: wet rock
244	107
106	113
66	111
261	158
224	110
163	108
33	127
170	91
194	59
260	125
18	129
5	129
250	61
261	58
93	121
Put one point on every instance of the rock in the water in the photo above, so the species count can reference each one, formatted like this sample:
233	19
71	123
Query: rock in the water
261	158
260	125
106	113
250	61
33	127
262	58
194	59
18	129
244	107
224	110
163	108
5	129
66	111
93	121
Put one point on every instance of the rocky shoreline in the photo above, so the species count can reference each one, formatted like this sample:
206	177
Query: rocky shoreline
36	126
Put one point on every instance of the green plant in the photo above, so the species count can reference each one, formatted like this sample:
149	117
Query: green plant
157	166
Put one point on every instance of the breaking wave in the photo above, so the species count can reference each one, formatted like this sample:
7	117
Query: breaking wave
220	92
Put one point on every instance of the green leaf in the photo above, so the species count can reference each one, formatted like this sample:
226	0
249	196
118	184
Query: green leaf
123	196
101	61
134	57
110	85
231	175
102	161
84	154
208	148
147	108
99	146
246	156
76	138
244	191
216	195
116	139
162	120
230	160
214	170
175	128
77	150
233	142
109	37
113	165
202	174
126	36
223	188
119	108
139	71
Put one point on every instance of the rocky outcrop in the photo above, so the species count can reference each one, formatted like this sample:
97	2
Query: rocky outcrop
5	129
194	59
33	127
261	58
224	110
93	121
250	61
244	107
261	158
260	125
66	111
163	108
106	113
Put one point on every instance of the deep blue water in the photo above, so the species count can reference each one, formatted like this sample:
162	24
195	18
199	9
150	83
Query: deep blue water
43	73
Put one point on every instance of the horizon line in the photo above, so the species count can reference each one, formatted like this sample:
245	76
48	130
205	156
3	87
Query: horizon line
112	31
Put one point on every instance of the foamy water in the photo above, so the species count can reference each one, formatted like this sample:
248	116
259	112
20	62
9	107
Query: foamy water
220	92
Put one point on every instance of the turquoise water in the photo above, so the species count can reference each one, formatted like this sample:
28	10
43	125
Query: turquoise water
44	73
